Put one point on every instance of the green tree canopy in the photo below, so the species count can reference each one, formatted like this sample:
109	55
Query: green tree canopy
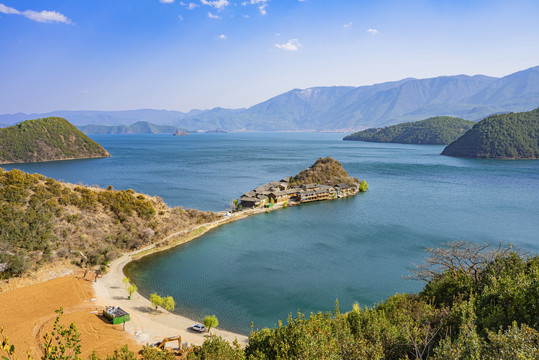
210	321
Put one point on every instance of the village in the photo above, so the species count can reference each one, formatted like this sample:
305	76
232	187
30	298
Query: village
287	192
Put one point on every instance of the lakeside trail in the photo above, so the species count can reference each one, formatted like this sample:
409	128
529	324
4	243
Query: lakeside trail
148	325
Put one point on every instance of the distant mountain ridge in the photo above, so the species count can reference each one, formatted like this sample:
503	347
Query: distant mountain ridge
343	108
140	127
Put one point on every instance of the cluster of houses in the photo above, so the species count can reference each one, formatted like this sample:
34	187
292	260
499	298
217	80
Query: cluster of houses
284	191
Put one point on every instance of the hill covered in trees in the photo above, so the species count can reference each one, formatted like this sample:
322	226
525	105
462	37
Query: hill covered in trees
46	140
504	136
44	220
438	130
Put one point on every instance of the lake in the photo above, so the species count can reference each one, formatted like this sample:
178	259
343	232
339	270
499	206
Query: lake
358	249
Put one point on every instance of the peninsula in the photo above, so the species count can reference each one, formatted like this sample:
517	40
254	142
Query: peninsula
325	179
46	139
504	136
438	130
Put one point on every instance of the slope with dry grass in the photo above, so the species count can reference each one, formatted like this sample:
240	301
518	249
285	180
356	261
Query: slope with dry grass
44	220
324	171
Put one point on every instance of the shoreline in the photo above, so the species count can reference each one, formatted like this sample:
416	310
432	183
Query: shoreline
148	325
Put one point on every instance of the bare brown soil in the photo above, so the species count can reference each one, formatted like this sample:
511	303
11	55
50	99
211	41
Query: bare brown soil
27	313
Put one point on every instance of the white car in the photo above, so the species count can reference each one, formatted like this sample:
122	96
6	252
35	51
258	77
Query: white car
198	328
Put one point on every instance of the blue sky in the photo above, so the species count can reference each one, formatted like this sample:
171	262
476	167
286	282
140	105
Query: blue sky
182	55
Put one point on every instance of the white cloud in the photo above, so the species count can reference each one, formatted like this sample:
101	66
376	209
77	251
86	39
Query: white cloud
180	17
262	4
212	16
222	36
8	10
192	6
290	45
372	31
166	1
347	25
46	16
218	4
41	16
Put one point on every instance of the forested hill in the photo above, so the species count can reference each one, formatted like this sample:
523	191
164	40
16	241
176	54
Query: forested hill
46	140
505	136
439	130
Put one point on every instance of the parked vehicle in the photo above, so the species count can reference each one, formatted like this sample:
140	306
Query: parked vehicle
198	328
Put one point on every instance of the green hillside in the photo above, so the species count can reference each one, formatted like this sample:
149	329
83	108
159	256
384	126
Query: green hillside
438	130
505	136
46	139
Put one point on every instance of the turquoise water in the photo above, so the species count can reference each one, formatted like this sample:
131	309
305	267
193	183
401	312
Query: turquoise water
262	268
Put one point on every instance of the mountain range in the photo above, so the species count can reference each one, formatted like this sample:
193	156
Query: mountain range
341	108
140	127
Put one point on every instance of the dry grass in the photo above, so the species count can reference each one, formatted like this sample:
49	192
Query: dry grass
324	171
85	225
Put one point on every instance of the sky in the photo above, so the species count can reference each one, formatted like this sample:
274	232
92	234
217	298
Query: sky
201	54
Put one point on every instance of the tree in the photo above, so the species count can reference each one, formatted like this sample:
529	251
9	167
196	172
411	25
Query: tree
236	204
457	257
210	321
67	341
156	300
169	303
131	289
217	348
363	186
126	281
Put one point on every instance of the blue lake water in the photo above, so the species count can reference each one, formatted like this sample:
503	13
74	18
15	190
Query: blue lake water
262	268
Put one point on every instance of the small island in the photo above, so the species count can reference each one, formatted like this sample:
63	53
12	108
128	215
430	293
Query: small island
46	139
505	136
179	133
324	180
438	130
